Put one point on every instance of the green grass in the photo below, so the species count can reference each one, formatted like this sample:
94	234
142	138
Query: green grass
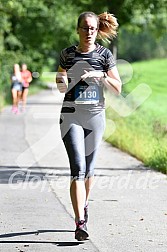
143	133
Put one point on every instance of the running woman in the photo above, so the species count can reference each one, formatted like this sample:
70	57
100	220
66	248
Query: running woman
83	72
16	87
27	78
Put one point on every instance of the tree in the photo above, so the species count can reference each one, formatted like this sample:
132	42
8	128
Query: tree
34	31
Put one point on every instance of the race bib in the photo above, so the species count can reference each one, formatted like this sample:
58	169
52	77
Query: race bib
86	94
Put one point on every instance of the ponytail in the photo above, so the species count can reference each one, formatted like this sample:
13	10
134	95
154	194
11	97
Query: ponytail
107	26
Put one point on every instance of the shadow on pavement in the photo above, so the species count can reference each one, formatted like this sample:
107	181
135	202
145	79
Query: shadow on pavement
14	174
58	243
37	232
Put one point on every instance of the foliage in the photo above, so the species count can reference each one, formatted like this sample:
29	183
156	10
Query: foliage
135	45
34	31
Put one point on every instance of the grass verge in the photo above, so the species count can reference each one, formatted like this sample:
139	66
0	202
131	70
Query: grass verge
143	132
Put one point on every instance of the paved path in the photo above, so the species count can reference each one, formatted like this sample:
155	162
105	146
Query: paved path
128	204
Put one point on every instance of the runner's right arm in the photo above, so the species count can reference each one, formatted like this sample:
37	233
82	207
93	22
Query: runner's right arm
61	80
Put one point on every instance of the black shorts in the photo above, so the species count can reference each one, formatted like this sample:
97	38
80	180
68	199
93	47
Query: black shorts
24	88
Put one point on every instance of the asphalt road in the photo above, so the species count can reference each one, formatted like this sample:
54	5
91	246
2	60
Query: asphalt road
128	204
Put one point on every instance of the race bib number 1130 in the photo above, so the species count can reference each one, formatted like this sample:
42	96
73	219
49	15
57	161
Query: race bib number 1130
86	95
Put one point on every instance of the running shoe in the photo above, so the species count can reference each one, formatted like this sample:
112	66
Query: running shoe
86	213
81	233
15	110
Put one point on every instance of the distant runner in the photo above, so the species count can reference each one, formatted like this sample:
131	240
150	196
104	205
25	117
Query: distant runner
27	78
16	87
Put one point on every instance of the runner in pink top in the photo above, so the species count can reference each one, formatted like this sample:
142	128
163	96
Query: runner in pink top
27	78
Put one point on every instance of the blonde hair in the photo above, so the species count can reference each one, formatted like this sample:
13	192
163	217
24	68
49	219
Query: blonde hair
17	72
107	24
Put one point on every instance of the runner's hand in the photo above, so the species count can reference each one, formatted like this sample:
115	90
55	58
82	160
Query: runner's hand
92	74
61	83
